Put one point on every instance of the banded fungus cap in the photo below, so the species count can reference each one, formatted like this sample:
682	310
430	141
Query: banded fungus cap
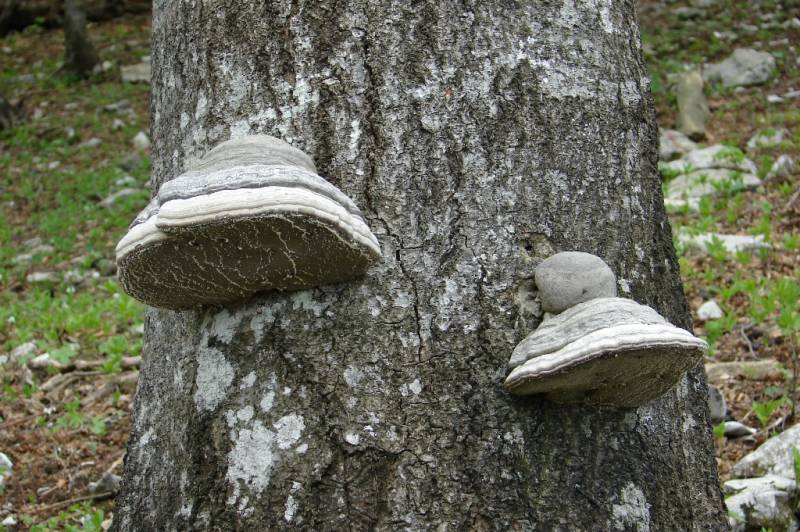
252	215
606	351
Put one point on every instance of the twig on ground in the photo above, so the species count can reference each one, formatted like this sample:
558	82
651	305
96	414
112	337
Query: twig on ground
92	496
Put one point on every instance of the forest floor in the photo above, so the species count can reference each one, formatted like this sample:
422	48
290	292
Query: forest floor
71	179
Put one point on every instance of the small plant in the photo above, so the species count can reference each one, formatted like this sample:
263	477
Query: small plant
764	411
719	430
716	249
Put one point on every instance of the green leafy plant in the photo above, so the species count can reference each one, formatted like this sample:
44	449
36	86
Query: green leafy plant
764	411
719	430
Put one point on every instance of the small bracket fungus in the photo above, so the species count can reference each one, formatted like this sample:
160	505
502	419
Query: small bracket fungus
607	351
572	277
251	215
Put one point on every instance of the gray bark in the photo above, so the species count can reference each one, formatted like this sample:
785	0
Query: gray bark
478	138
79	54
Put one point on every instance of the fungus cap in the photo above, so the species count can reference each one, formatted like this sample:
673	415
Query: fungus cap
241	222
607	351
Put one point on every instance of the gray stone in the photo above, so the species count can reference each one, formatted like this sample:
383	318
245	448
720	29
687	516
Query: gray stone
716	156
717	407
141	141
10	522
117	124
766	503
774	98
766	138
571	277
91	143
108	483
732	243
33	242
709	311
106	267
138	73
756	370
781	168
125	181
791	95
131	161
692	105
734	429
706	182
112	200
43	277
22	350
672	143
121	107
773	457
744	67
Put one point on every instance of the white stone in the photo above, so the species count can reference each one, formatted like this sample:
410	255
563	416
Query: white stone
773	457
734	429
42	277
113	199
744	67
732	243
672	143
715	156
6	466
709	311
767	138
138	73
141	141
765	503
781	168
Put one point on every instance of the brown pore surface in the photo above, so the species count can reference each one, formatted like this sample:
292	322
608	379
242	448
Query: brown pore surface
622	378
234	258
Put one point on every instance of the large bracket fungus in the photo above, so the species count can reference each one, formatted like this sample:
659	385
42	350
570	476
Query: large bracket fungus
252	215
605	350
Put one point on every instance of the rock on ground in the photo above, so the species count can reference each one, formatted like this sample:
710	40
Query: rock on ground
744	67
717	406
765	502
781	168
732	243
754	370
113	199
672	143
709	311
138	73
773	457
766	138
692	105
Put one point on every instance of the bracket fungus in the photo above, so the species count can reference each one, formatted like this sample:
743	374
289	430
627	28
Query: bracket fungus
606	351
252	215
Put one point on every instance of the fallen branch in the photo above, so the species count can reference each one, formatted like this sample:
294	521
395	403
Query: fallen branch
45	362
60	504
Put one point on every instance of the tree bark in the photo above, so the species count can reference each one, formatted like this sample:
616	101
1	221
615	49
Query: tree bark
79	55
478	138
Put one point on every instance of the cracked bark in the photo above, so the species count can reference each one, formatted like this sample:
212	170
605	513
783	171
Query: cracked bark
478	138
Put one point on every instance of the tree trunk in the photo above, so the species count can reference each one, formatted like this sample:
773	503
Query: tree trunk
79	54
478	138
18	14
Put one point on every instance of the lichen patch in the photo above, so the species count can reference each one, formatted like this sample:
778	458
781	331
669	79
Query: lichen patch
214	376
